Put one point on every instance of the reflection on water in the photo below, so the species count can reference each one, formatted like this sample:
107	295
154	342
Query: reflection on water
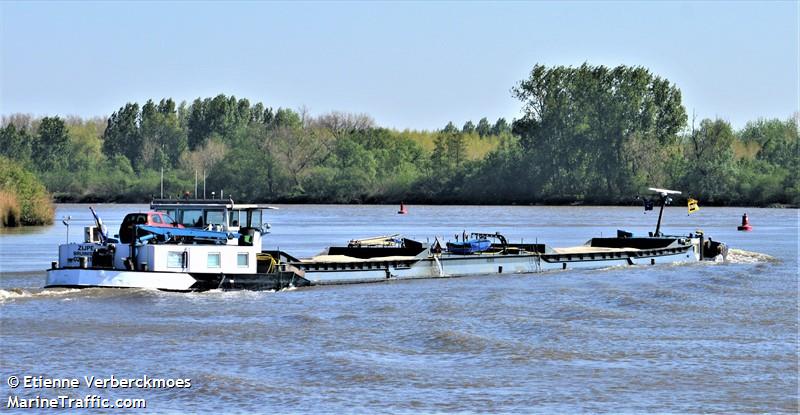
711	337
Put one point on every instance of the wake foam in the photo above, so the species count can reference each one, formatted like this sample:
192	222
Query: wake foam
13	294
23	293
740	256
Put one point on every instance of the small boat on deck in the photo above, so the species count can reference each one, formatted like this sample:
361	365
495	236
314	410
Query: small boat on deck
479	243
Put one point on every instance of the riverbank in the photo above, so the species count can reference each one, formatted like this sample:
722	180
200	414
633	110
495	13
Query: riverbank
68	198
24	200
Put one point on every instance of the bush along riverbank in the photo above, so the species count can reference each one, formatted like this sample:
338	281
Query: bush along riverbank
23	198
586	135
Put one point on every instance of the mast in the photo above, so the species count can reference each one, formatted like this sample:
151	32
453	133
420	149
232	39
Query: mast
664	193
660	213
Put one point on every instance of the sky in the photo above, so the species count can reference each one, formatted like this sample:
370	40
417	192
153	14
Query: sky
411	65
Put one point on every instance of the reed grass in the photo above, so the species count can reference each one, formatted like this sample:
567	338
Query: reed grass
9	209
23	198
41	210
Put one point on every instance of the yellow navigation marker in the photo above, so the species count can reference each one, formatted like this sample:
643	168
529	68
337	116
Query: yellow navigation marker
692	204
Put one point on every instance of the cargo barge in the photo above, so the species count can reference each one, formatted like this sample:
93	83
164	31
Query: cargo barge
206	245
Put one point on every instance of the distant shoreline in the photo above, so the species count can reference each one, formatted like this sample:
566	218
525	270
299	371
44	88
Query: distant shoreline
4	230
429	203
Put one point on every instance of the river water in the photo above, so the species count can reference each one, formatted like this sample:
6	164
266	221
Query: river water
710	337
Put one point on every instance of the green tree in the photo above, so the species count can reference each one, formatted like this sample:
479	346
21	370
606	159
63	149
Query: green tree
442	179
247	173
150	154
495	178
16	144
356	169
468	128
86	144
483	129
298	149
173	137
398	161
439	155
500	127
450	128
121	136
163	140
711	169
220	116
286	118
576	122
456	148
50	148
778	140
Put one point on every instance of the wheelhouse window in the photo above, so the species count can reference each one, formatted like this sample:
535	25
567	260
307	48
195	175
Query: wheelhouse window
175	259
215	217
242	260
213	260
192	218
255	218
235	220
156	219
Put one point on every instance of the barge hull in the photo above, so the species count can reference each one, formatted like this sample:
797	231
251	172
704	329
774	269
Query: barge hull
469	265
170	281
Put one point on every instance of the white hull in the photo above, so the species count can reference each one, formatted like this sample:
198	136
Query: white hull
84	278
438	266
466	265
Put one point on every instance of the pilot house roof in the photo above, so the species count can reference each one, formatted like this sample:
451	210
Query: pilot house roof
205	203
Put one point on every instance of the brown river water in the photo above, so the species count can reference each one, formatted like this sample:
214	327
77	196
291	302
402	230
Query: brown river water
708	337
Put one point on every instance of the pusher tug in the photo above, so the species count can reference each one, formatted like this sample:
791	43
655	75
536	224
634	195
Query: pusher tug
207	244
191	259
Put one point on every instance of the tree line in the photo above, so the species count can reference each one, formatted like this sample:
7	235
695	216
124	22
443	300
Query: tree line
249	151
589	134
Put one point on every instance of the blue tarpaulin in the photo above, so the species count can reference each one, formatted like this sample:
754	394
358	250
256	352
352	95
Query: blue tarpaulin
166	233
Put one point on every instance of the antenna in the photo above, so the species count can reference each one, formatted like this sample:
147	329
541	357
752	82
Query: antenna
65	220
162	182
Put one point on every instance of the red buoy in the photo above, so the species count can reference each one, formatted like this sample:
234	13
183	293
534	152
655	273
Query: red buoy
402	210
745	224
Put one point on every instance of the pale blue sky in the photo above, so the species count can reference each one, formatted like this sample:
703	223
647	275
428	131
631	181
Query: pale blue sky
407	64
